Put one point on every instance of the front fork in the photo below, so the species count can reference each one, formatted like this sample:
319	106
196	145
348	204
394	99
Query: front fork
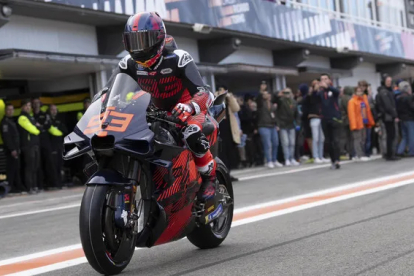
124	201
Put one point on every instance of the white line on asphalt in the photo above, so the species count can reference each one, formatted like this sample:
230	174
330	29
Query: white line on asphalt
40	201
40	254
49	268
322	192
78	261
322	202
40	211
240	179
296	170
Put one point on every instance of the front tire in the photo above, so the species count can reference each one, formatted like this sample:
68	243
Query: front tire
93	224
207	236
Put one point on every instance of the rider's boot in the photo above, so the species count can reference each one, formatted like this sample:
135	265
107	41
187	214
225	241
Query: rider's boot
209	197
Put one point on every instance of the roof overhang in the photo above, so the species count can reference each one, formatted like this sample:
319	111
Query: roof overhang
246	69
336	73
33	65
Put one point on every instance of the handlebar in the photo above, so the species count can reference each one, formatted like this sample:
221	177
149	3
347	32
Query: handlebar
163	116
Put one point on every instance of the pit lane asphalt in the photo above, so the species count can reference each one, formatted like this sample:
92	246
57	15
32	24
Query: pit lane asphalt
368	235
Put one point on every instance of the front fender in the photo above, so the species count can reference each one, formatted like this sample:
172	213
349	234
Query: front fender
108	177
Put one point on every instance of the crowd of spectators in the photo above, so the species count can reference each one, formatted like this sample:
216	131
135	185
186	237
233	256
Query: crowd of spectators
33	145
271	128
318	124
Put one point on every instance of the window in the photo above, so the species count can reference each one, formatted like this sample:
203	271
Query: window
411	19
329	4
391	12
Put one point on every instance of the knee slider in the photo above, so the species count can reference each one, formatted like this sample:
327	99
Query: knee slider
195	140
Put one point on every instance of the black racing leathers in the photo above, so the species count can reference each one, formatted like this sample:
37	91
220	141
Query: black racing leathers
175	79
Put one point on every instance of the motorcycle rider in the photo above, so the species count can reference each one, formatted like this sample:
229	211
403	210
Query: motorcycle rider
172	78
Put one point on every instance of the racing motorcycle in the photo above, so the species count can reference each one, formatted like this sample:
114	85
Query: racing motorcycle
143	189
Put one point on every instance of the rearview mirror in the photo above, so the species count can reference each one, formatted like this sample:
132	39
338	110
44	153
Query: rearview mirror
219	100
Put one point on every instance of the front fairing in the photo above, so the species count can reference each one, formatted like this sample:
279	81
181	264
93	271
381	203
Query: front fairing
115	121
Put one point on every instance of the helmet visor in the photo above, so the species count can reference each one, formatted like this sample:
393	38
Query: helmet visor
141	40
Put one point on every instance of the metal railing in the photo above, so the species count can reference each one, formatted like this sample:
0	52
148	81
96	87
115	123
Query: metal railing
346	17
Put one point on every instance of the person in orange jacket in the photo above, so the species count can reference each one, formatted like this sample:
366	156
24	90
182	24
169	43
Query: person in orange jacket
360	118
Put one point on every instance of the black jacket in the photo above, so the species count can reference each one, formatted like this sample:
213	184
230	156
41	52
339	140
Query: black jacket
10	134
311	107
405	107
329	103
44	120
29	133
247	120
385	104
57	141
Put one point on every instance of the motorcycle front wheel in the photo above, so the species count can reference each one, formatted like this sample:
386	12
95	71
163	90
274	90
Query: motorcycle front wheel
107	248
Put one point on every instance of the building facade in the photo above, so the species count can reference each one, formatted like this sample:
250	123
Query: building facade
72	46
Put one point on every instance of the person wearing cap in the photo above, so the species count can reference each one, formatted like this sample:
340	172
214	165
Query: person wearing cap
387	110
405	110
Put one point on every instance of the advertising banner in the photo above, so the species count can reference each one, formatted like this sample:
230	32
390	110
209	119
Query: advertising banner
268	19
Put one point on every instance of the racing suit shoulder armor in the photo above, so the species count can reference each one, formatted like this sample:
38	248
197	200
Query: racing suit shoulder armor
123	63
184	57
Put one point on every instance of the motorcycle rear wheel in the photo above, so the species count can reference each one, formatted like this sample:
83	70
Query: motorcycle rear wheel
94	233
212	235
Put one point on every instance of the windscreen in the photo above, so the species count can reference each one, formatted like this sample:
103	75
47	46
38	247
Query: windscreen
123	91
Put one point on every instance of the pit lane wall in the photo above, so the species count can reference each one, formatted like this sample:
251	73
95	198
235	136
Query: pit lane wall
267	19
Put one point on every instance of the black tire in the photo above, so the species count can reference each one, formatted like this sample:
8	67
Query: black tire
203	236
91	226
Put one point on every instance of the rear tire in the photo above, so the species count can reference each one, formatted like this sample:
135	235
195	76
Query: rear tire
203	236
91	226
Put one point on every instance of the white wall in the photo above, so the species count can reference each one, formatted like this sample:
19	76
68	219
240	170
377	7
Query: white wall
36	34
364	71
58	85
250	55
189	45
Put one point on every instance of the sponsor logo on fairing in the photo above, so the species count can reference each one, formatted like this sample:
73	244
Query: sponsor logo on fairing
152	73
216	213
142	73
169	56
166	71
